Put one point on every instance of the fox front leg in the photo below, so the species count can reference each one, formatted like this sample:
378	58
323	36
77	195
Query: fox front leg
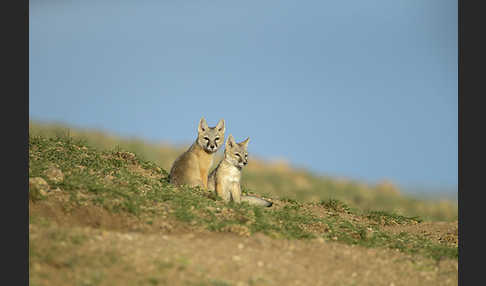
204	179
222	193
236	193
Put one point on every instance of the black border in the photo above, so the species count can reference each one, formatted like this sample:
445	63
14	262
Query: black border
26	124
15	120
460	113
470	76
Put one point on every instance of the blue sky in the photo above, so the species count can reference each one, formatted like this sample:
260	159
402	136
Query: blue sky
352	88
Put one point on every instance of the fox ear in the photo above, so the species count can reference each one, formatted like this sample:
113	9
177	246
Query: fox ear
230	142
203	125
221	126
245	143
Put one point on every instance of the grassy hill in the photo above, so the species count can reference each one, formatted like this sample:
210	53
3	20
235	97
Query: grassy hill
274	179
107	216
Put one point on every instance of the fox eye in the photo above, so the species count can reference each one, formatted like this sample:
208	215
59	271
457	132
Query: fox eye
217	138
238	155
206	138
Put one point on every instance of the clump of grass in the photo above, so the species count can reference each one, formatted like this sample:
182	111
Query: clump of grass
386	218
289	200
335	205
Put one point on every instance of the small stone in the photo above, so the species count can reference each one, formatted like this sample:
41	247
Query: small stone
238	229
108	178
236	258
38	188
54	174
240	246
368	233
320	240
260	263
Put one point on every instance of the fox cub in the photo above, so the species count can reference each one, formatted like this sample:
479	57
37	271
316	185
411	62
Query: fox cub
225	178
192	167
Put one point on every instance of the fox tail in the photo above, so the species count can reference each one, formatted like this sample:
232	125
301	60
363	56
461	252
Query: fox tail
252	200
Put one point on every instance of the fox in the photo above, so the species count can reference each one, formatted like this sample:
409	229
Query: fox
225	178
192	167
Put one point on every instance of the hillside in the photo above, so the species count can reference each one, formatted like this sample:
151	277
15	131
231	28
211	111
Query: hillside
101	216
275	179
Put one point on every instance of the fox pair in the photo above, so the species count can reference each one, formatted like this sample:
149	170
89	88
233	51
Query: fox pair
192	167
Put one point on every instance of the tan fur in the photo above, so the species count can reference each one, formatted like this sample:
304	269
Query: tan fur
225	178
226	181
192	167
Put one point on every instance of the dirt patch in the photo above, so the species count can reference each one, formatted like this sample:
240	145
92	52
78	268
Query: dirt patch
126	258
88	245
144	172
442	232
59	213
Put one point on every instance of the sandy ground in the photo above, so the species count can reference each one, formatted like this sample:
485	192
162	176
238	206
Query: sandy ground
69	252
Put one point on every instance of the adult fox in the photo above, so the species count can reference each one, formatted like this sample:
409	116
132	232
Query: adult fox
192	167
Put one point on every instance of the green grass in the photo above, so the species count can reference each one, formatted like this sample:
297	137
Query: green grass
386	218
122	182
271	179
